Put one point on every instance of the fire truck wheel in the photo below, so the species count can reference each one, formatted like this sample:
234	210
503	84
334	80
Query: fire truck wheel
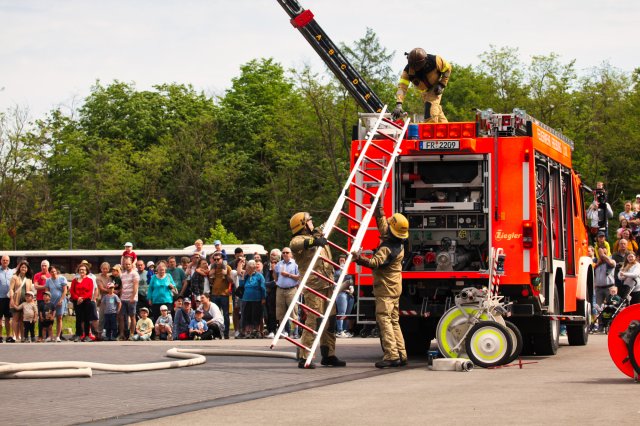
489	344
547	341
417	334
578	335
451	330
516	338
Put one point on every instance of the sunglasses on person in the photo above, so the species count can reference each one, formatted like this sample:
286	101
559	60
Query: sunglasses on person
286	252
217	258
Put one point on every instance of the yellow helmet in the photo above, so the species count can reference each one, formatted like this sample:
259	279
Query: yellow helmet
298	221
399	226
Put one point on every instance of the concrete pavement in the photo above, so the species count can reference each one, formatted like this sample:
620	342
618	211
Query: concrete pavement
580	385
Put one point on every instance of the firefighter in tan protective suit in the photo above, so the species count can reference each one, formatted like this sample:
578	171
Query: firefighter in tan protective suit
386	264
306	240
430	75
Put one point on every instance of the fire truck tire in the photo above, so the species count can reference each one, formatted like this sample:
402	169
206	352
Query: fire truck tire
489	344
516	338
375	332
451	328
547	341
578	335
417	335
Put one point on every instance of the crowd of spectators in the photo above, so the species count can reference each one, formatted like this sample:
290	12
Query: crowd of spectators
196	298
616	267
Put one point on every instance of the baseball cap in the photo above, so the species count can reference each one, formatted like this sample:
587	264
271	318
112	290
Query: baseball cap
150	263
216	242
197	298
144	309
164	308
111	285
186	300
199	310
46	292
128	244
637	195
31	293
601	234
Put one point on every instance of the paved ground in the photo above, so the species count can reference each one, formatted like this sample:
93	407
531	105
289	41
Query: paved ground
579	385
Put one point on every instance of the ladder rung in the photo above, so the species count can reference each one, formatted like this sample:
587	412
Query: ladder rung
380	149
335	246
322	277
299	324
392	123
330	262
382	166
298	344
343	232
348	216
385	135
351	200
369	175
366	191
308	309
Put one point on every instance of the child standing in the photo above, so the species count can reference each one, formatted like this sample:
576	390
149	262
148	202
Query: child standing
164	324
111	309
29	310
197	326
144	326
47	316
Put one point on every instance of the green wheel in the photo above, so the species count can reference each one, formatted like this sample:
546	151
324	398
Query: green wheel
451	329
489	344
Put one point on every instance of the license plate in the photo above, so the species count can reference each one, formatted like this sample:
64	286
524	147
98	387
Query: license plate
439	145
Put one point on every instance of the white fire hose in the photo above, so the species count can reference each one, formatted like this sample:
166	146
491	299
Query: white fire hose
452	364
188	358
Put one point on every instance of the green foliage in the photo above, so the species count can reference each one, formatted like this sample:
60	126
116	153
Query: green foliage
219	232
160	166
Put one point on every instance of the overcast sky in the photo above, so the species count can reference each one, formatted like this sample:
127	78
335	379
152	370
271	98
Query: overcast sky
51	52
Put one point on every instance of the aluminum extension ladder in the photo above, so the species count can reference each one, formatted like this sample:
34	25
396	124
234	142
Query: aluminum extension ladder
390	131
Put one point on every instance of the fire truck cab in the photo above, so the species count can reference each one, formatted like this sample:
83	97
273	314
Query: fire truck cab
504	181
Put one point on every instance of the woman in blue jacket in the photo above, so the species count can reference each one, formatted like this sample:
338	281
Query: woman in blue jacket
254	296
160	291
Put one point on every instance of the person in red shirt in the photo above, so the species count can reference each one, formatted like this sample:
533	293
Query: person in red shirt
81	292
39	281
128	252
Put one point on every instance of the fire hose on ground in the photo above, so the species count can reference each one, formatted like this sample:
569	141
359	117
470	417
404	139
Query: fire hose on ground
61	369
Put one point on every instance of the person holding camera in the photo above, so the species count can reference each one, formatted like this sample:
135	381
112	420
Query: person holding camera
604	271
221	283
603	208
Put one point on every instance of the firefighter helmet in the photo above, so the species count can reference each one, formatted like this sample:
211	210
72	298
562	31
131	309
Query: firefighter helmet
298	221
399	226
417	58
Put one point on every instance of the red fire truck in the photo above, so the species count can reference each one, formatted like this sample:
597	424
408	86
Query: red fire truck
504	181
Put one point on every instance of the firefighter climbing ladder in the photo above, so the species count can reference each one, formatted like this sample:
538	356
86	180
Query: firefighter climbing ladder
390	131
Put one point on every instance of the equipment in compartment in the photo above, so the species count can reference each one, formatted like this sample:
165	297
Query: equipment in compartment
444	203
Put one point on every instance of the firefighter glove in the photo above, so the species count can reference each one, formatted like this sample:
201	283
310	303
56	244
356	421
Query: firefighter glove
438	89
316	242
398	111
378	211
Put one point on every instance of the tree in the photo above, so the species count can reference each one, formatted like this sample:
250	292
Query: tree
503	66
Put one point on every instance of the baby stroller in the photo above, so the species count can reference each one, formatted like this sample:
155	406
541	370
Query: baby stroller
607	313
